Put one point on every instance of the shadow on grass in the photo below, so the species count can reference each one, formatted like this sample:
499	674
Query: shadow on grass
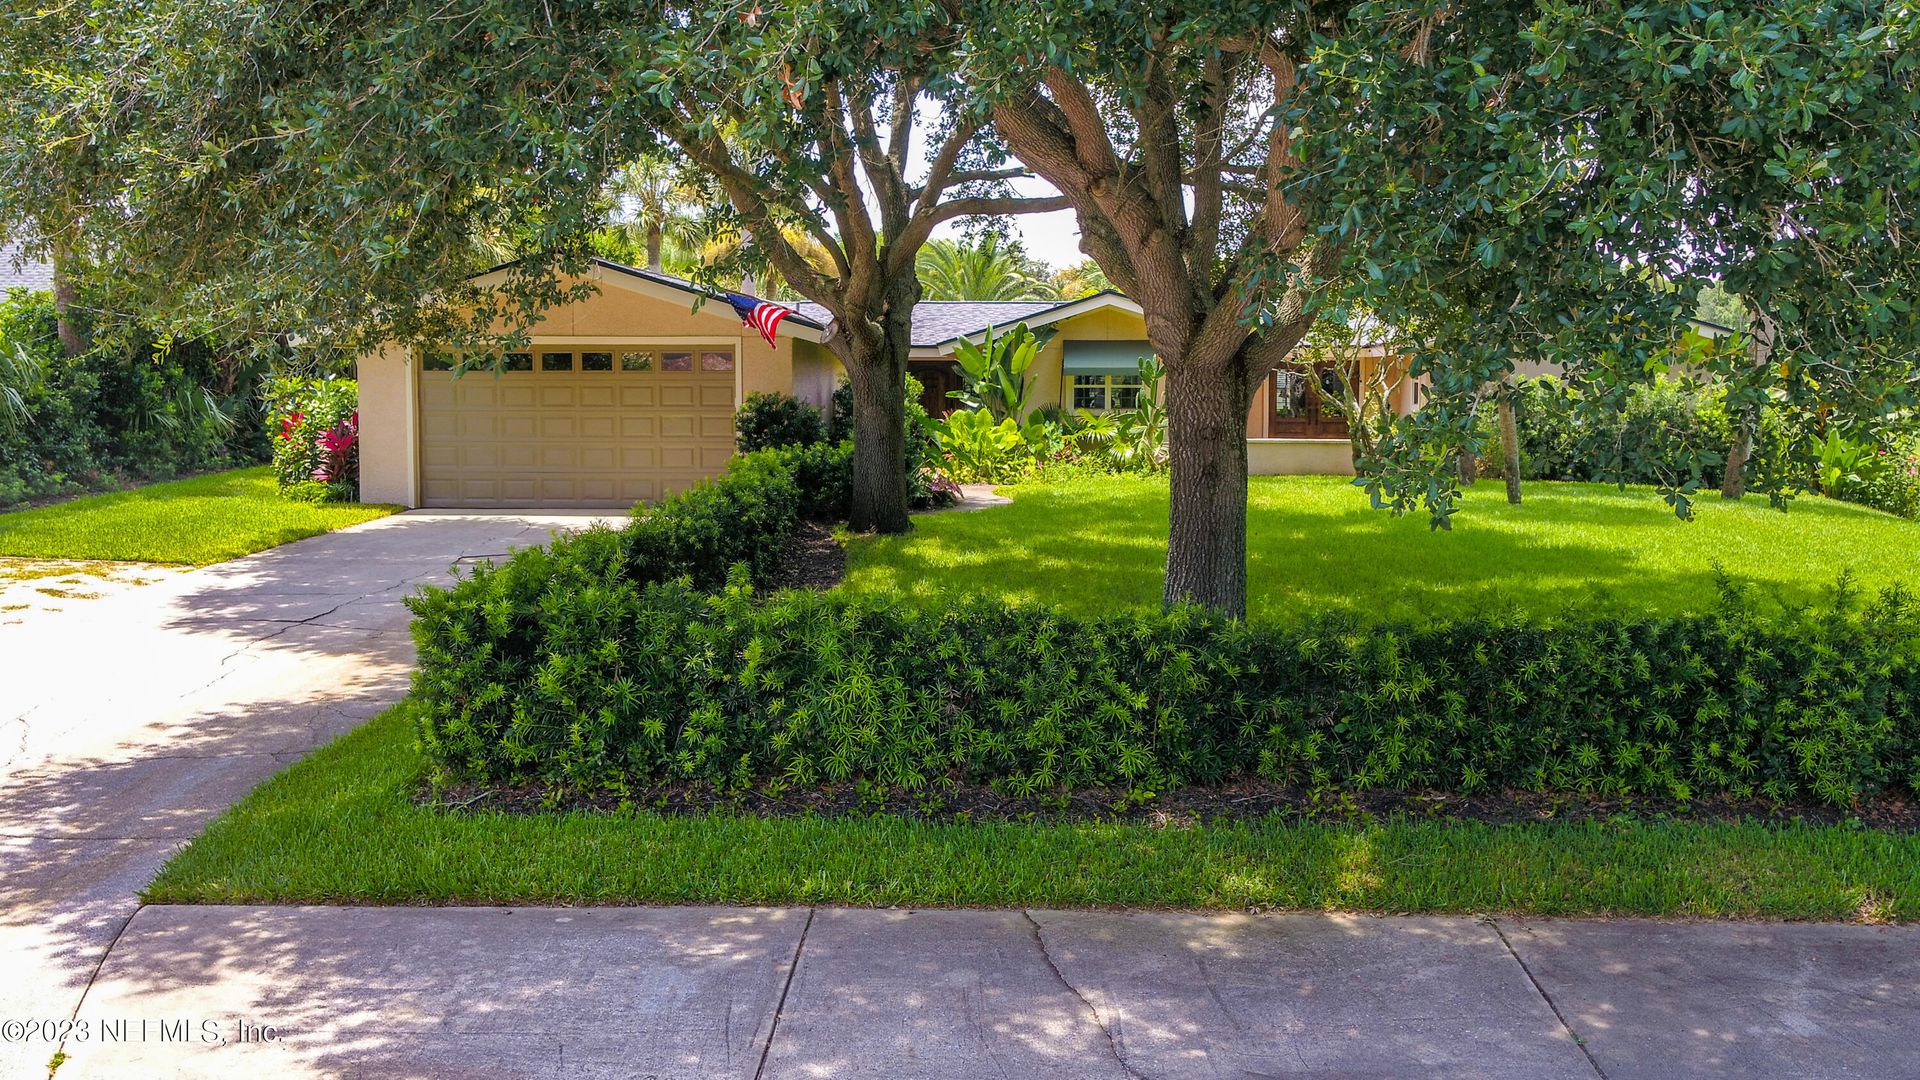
1314	546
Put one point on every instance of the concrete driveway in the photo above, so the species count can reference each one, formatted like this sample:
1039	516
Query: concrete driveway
126	727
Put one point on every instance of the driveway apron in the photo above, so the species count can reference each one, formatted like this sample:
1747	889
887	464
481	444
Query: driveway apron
122	732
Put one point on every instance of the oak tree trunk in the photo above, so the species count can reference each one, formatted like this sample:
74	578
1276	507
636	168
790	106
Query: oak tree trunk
1733	482
72	342
877	370
1509	442
1207	454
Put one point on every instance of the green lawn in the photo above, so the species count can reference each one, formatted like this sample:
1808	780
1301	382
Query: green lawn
340	827
195	522
1094	545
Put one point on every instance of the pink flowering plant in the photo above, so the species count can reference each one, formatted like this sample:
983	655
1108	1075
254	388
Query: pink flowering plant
315	424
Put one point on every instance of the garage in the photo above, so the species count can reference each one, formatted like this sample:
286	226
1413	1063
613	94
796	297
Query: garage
602	425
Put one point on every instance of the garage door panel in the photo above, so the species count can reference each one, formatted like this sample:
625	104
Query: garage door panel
571	438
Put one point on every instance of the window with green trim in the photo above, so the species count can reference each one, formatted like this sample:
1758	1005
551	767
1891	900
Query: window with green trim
1103	393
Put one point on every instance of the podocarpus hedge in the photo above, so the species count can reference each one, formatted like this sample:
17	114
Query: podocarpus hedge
611	664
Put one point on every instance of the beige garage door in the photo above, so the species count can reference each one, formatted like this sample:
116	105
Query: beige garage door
591	426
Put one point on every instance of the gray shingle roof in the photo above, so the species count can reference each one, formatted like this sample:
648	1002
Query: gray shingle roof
936	322
19	272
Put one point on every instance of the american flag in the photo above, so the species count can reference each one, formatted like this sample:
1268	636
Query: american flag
758	314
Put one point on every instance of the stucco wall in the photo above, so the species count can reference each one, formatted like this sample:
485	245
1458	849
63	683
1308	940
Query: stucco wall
816	371
1299	457
387	435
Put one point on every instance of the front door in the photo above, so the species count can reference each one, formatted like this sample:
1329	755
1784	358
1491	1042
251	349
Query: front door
937	381
1302	402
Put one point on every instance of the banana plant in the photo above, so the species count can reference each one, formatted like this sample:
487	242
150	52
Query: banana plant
995	372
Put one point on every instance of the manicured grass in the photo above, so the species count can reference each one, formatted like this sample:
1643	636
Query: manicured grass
203	520
1096	545
340	827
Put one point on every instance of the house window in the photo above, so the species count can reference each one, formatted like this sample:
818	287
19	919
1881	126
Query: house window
596	361
436	361
1290	392
676	361
1101	393
716	360
636	361
517	361
556	361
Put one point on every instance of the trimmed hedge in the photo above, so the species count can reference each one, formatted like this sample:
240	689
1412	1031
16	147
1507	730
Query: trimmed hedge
604	664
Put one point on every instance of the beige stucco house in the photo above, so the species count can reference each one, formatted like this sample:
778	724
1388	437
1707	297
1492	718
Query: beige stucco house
630	394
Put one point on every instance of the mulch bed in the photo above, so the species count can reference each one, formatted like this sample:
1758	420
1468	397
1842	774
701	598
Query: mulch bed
1182	809
812	559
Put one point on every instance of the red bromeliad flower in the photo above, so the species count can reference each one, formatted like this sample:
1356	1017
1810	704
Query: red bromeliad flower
287	423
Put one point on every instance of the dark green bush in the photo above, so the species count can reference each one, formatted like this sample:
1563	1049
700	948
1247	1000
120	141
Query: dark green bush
1637	443
608	663
131	408
767	421
745	515
824	474
622	685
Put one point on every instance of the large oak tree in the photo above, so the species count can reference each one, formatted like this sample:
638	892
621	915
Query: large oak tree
844	122
1550	180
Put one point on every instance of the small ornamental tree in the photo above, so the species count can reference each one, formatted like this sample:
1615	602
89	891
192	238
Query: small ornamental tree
1543	179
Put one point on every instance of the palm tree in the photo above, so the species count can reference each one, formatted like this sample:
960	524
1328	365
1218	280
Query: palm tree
991	268
658	208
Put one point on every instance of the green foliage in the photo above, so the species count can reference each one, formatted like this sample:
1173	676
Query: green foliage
767	420
130	409
346	825
995	372
618	684
1894	486
926	486
980	449
1057	440
989	268
1637	441
315	427
823	473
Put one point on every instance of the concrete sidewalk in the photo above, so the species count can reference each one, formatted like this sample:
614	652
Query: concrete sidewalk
126	726
800	993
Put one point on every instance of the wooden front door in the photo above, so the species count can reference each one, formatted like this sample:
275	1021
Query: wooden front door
937	380
1300	399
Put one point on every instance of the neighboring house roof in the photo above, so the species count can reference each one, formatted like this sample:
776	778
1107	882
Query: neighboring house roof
20	271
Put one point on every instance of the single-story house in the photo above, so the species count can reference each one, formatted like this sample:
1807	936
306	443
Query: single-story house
629	395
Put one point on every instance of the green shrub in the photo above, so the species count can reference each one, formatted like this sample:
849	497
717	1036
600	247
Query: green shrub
131	408
926	485
745	515
617	660
614	685
766	421
316	437
823	473
1894	485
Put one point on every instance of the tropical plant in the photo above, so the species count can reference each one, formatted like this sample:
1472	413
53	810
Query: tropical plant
1081	279
995	372
658	203
22	376
316	437
1847	466
981	448
990	268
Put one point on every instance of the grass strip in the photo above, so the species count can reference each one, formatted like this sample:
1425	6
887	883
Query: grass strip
194	522
340	827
